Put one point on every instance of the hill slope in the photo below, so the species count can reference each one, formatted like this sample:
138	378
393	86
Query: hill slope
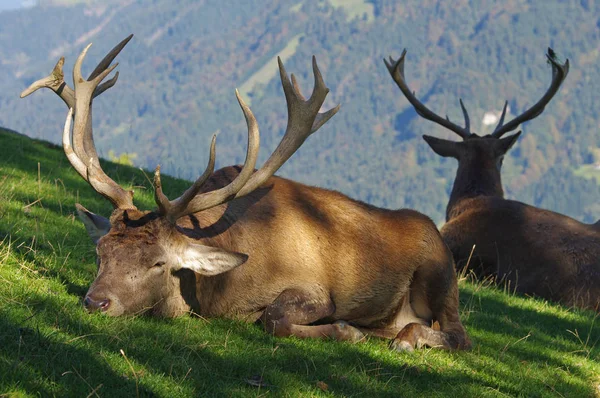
179	73
51	347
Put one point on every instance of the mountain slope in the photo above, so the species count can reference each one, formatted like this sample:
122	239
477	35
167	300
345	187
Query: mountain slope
179	73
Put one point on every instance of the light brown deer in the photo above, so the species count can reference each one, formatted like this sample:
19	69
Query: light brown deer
539	252
241	243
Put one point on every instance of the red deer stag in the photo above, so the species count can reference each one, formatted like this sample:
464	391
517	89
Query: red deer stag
538	251
241	243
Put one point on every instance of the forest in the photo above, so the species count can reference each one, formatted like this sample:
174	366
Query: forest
178	75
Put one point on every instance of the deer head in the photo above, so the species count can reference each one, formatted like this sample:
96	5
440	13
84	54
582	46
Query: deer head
143	257
479	157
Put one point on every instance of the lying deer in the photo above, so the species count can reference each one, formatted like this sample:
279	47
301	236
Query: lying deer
241	243
538	251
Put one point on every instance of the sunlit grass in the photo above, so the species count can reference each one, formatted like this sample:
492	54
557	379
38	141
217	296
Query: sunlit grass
52	347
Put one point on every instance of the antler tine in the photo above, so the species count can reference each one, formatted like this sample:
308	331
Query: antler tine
78	62
396	70
320	90
82	137
172	209
323	117
98	75
297	88
105	63
109	57
466	116
502	116
288	89
164	205
106	85
56	82
304	119
559	74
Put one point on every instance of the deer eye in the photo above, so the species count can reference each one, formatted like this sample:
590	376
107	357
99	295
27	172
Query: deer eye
159	264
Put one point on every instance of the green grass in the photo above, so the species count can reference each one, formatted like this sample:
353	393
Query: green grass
52	347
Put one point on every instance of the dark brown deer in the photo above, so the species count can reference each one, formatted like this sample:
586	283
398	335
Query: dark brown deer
537	251
241	243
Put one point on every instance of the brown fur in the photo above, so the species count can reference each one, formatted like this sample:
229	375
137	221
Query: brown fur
318	262
536	251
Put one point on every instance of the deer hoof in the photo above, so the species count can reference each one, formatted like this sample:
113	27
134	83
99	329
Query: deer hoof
347	332
401	346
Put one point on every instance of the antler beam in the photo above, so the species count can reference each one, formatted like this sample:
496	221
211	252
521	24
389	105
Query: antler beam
559	74
396	69
304	119
85	160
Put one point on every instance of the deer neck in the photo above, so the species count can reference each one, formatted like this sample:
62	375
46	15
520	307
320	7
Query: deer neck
473	181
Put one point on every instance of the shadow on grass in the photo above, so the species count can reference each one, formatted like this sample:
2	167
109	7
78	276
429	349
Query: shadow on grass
522	334
190	356
490	307
37	363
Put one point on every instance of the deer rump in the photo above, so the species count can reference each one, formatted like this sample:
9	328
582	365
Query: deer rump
545	254
242	243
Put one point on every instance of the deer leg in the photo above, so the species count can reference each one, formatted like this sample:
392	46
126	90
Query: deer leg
433	298
415	335
295	309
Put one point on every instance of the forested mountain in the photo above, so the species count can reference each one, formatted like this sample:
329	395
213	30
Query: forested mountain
14	4
178	75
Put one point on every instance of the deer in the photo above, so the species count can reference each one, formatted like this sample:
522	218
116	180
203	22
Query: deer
535	251
244	244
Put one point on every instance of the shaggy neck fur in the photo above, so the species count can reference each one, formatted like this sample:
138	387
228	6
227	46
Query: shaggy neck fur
471	182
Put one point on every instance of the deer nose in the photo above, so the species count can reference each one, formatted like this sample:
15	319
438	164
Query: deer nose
94	305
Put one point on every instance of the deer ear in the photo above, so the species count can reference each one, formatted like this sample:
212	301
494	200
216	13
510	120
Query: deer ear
208	260
504	144
96	226
442	147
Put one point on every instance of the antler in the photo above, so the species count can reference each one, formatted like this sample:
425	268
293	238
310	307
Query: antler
396	69
189	203
559	73
56	82
304	119
88	165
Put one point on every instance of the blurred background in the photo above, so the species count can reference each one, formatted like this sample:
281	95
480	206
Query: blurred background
178	75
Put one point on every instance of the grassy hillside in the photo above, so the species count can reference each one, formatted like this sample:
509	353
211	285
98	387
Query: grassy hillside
52	347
